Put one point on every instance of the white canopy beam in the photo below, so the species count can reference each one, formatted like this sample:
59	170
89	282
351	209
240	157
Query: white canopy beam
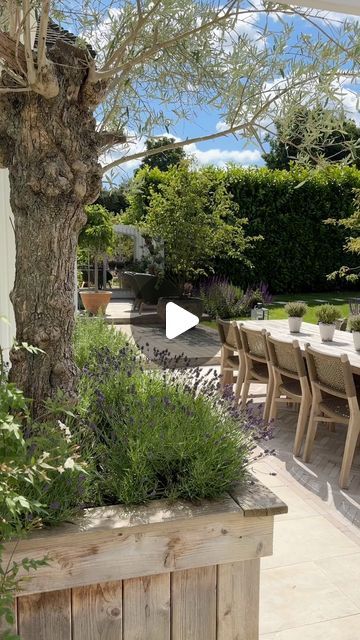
340	6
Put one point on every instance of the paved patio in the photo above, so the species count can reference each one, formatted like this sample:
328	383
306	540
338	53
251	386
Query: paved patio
310	587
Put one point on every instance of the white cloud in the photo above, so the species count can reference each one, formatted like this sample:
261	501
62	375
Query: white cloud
221	157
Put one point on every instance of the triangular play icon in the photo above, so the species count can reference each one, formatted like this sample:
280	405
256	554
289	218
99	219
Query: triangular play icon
178	320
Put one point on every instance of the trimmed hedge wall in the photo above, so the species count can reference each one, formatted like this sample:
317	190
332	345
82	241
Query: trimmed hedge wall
288	209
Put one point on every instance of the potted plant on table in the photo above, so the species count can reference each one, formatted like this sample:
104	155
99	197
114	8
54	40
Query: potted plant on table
327	314
354	327
296	311
98	238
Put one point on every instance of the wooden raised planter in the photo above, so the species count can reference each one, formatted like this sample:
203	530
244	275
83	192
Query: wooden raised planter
158	572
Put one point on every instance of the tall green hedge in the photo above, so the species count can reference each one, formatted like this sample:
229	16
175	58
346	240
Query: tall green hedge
288	209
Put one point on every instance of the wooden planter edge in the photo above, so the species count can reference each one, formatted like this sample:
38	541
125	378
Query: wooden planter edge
116	543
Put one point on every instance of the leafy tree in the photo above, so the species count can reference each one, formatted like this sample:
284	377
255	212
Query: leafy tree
196	219
127	71
114	200
305	130
98	236
163	160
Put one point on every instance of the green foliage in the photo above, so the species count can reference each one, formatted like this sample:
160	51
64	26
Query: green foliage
114	200
352	245
327	314
159	433
39	464
296	309
221	298
319	132
162	160
145	182
288	209
354	323
98	236
196	219
92	335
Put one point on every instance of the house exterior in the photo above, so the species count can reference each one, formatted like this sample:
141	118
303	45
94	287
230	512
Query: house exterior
7	263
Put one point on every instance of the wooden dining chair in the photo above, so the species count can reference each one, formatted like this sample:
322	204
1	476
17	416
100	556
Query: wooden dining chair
257	369
335	400
291	383
231	359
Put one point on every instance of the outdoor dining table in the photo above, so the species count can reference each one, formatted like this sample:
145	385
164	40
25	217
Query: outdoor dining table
309	334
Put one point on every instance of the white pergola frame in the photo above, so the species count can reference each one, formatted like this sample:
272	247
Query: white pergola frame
340	6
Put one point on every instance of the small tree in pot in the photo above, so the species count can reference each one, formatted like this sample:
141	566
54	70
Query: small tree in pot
98	238
327	315
296	312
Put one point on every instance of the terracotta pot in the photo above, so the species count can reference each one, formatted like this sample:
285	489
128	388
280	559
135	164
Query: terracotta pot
95	302
327	331
294	324
194	305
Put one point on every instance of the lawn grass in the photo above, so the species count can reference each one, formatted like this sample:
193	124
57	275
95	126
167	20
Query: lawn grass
277	312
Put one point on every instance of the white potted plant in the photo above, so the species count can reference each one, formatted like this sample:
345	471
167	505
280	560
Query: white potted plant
354	327
296	311
327	314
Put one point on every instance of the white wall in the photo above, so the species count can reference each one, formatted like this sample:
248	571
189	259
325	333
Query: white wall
7	263
342	6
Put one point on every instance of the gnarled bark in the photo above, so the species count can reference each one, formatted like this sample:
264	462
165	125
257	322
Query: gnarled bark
51	147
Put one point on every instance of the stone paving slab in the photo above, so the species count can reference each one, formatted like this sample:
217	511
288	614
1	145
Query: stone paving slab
200	346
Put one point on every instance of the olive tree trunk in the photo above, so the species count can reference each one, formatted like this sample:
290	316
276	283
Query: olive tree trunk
51	149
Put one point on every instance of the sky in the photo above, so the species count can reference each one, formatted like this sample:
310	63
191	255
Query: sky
230	149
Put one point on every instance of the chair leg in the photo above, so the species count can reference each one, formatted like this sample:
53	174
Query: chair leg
239	383
310	436
302	423
275	396
245	391
349	450
269	396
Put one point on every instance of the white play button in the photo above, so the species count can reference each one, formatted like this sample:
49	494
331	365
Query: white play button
178	320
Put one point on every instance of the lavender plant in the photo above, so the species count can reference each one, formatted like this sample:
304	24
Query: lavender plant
164	433
221	298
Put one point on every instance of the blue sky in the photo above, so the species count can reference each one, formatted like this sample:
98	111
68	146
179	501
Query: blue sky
221	151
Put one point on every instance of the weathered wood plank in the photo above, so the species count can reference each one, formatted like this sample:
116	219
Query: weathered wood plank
147	608
238	600
94	557
193	604
46	616
97	612
256	500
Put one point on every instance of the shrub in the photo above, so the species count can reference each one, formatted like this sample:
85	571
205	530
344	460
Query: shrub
327	314
36	461
296	309
221	298
161	433
93	334
354	323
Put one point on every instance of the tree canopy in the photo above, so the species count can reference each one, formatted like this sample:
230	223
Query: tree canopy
332	144
163	160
